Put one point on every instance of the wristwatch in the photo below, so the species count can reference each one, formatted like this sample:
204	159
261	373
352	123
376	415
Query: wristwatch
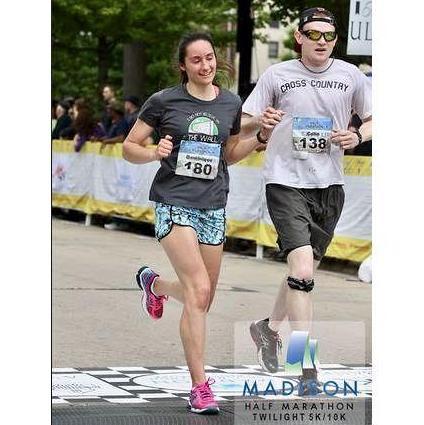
359	136
259	138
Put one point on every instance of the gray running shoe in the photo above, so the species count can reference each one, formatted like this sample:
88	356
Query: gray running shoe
268	344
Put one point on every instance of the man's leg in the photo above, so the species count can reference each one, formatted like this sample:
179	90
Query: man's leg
296	304
299	301
291	215
280	310
299	306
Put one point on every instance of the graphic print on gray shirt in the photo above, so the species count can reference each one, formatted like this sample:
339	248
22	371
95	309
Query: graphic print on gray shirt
195	174
299	152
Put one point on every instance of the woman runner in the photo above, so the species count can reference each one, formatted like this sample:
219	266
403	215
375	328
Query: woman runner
199	124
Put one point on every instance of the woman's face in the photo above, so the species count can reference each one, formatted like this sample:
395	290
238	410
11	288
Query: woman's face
199	62
74	112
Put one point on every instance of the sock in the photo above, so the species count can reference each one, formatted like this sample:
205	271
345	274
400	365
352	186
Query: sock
152	287
267	325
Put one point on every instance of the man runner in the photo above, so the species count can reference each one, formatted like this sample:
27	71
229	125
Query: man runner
310	100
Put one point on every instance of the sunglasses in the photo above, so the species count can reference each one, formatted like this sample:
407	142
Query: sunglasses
316	35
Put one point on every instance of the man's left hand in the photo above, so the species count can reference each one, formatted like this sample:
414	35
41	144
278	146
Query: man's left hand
345	138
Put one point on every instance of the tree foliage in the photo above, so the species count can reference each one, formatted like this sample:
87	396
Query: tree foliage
88	35
288	43
288	10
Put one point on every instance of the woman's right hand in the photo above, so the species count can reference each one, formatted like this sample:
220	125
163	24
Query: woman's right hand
164	148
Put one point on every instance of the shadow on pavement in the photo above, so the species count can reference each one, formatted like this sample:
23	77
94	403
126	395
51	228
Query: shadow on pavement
169	413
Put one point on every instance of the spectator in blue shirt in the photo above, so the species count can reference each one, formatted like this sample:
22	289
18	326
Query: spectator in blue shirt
132	107
119	128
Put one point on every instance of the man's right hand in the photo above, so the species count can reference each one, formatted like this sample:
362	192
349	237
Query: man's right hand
268	120
164	148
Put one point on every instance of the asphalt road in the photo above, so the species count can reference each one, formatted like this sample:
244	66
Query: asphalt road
97	318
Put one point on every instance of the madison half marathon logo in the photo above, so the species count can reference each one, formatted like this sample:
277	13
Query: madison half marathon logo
301	369
302	353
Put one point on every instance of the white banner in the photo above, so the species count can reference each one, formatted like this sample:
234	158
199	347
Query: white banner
100	181
359	39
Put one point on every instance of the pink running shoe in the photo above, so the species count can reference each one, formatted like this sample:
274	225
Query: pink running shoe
152	305
202	399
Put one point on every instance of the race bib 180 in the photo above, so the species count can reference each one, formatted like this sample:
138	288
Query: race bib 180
198	159
312	134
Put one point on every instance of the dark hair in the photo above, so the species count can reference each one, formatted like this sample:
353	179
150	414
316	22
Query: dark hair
85	122
81	103
187	39
69	100
135	100
64	104
117	107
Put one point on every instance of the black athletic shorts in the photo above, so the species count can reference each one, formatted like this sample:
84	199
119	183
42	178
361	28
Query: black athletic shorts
304	216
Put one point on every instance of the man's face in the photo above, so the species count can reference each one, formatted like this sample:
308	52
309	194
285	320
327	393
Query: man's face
107	93
129	107
316	53
60	111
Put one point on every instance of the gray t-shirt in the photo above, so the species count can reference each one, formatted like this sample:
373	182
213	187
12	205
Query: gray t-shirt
299	153
195	174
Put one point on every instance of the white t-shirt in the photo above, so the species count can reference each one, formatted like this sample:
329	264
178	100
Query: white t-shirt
299	153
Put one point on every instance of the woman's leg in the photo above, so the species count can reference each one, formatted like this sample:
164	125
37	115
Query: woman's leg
173	289
182	248
212	256
212	223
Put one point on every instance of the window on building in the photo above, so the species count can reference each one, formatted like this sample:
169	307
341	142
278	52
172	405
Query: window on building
274	24
273	49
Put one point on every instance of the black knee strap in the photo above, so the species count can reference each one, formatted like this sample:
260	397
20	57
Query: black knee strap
301	284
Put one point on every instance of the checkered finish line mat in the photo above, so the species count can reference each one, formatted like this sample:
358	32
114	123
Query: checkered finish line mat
161	384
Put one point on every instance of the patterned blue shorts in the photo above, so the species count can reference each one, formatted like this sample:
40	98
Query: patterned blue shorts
209	225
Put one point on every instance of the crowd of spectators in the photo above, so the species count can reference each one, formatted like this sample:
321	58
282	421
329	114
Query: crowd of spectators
75	119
